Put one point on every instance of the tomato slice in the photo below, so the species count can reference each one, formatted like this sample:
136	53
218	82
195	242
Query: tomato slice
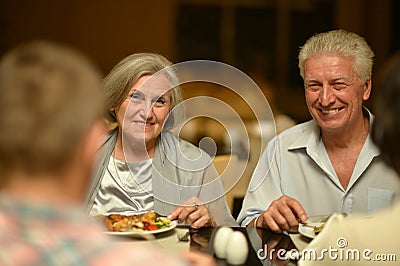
149	227
152	227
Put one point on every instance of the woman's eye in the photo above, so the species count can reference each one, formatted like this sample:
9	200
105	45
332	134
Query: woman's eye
135	96
161	102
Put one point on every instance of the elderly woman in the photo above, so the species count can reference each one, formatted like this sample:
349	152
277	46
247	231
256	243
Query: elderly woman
143	165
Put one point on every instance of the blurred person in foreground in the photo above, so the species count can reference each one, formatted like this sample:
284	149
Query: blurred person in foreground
52	121
328	164
374	240
143	165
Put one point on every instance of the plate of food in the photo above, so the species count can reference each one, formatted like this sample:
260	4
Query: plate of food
137	224
311	229
314	224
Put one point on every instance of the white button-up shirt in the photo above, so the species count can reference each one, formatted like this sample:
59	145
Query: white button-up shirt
295	163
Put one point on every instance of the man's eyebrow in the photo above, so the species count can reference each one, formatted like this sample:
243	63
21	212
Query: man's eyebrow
342	77
311	79
338	77
332	79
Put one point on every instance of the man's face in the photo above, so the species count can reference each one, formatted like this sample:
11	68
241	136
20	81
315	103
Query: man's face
334	94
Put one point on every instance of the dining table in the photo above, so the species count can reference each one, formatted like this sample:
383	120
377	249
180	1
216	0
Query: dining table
265	247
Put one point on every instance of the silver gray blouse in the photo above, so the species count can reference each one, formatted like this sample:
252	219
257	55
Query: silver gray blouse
125	186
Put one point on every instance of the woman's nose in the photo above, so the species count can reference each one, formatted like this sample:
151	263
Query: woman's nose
147	109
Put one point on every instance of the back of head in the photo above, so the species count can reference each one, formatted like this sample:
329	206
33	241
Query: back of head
49	98
386	128
343	43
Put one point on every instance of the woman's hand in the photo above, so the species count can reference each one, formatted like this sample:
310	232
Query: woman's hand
194	212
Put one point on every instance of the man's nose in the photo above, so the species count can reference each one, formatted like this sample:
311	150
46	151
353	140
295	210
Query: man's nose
326	95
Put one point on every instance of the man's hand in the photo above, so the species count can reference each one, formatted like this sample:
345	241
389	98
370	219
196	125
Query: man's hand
282	215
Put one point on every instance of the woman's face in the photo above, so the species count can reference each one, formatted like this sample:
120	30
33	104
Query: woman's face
143	113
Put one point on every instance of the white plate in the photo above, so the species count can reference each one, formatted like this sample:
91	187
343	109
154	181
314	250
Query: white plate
317	220
307	230
172	225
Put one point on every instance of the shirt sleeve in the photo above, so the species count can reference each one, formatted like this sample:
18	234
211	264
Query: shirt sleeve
265	185
218	207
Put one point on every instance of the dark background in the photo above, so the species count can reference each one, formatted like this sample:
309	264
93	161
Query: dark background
261	37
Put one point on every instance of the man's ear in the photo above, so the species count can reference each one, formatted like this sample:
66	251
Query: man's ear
82	165
93	141
367	89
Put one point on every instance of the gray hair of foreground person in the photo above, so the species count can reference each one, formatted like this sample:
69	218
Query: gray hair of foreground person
126	73
50	97
340	42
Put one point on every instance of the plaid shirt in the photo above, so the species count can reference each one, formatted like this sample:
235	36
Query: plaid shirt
43	235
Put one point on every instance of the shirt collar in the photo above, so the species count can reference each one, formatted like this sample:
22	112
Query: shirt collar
310	139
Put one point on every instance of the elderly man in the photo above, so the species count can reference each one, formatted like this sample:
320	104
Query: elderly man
328	164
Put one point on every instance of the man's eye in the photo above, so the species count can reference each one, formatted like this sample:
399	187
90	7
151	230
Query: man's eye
339	85
313	87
